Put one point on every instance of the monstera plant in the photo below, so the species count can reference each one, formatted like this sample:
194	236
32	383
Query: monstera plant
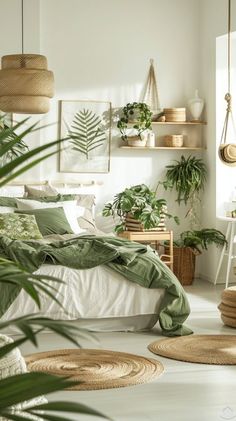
140	203
23	387
87	132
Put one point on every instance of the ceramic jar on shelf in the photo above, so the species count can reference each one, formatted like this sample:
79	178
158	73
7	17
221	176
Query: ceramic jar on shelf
196	106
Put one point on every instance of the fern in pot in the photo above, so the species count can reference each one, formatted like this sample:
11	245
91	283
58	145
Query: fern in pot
187	177
137	208
190	244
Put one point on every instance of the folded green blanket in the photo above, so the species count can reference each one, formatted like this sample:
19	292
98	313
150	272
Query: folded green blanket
136	262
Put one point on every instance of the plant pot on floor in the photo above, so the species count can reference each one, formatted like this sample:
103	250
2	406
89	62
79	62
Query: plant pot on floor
184	264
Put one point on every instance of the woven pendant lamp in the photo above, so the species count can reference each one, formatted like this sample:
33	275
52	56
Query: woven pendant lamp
26	85
227	150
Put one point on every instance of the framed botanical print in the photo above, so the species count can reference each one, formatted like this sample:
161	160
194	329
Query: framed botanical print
86	125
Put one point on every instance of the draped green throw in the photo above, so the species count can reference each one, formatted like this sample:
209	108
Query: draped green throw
135	261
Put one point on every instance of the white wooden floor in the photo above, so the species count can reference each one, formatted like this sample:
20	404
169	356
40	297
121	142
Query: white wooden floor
184	392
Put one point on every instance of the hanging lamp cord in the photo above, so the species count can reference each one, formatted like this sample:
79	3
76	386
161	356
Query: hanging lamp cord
22	26
228	97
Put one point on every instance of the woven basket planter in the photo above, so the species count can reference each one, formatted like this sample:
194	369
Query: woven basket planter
184	264
132	224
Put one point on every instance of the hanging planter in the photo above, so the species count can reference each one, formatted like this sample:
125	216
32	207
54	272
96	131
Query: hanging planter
150	94
227	150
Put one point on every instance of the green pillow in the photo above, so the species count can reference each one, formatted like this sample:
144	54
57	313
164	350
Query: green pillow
19	227
50	220
8	201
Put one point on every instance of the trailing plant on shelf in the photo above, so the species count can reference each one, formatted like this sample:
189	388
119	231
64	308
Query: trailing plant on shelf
141	204
187	176
137	113
21	388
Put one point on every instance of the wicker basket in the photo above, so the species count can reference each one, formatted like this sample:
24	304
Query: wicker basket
175	114
132	224
184	264
174	141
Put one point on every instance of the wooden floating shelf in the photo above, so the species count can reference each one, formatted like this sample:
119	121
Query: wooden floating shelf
163	148
187	123
193	123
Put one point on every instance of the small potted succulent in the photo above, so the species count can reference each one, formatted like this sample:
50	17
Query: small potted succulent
136	118
138	209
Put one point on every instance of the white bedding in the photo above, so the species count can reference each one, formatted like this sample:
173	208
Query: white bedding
92	293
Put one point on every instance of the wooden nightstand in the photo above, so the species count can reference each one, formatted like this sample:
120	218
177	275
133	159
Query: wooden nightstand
153	237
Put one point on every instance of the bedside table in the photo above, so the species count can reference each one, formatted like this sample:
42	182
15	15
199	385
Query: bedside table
153	237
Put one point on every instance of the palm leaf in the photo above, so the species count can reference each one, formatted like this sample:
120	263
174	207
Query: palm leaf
13	273
20	388
30	325
86	133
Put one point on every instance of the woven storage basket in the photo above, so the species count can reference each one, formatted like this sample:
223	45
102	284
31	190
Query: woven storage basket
184	264
175	114
132	224
174	141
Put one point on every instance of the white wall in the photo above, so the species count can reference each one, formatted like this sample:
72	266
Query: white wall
101	50
213	18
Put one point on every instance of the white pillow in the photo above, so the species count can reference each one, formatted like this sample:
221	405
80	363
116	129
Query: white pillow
72	210
6	209
45	190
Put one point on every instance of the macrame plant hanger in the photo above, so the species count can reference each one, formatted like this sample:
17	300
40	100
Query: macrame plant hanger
150	92
227	151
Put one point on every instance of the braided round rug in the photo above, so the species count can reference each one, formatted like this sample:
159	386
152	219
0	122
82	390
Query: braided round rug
204	349
96	369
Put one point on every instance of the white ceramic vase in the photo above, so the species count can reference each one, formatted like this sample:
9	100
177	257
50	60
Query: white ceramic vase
196	105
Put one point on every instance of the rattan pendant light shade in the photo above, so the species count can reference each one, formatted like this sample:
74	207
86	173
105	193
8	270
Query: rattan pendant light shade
25	84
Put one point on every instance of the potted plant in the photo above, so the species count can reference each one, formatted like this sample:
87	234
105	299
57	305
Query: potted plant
138	208
187	176
136	115
190	244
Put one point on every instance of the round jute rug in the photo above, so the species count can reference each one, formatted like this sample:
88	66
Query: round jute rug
204	349
96	369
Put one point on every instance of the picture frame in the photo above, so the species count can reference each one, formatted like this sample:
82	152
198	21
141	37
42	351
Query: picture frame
86	125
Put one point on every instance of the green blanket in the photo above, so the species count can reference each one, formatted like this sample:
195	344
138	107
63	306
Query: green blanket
137	262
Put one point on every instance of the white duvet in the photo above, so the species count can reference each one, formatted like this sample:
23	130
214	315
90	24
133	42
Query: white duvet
99	292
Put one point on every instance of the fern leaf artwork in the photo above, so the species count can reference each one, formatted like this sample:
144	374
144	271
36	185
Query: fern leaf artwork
86	133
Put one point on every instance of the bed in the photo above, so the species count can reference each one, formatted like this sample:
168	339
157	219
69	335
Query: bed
99	298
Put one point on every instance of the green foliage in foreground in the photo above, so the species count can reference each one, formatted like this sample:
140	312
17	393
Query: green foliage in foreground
23	387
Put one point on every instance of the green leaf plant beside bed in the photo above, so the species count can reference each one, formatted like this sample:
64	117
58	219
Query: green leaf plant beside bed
24	387
141	203
137	113
190	244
